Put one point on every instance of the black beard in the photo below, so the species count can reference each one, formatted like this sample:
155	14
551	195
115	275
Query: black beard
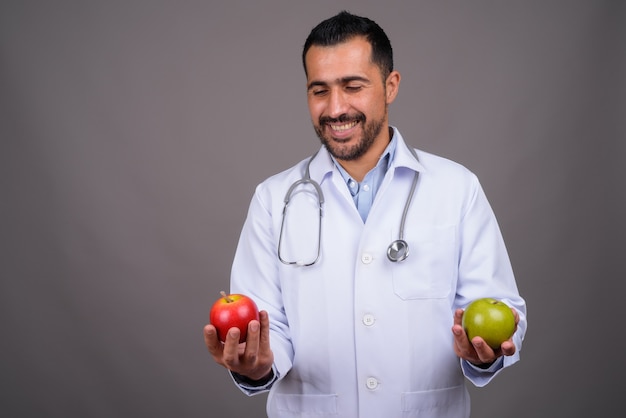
370	133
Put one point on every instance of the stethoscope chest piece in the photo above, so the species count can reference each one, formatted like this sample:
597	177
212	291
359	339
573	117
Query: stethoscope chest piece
398	250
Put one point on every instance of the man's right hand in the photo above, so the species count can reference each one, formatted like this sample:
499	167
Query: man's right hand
252	359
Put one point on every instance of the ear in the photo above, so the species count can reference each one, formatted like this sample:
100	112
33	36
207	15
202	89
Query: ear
392	84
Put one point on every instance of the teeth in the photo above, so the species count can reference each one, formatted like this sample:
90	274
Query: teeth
343	127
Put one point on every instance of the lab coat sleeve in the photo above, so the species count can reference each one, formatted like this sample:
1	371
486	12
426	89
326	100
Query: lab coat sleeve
485	271
255	273
251	389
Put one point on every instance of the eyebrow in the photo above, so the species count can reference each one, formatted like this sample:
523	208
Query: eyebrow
343	80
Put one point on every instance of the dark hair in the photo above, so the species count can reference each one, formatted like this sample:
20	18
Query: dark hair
345	26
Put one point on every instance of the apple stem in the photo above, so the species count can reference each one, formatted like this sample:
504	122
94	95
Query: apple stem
225	296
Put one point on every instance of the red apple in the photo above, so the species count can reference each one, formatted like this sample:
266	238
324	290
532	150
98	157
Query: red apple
491	319
233	311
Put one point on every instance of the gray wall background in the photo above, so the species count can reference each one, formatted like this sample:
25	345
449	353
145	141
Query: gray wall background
134	132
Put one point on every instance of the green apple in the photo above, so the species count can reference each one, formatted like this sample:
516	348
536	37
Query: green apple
491	319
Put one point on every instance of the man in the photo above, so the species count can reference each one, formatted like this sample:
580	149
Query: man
349	327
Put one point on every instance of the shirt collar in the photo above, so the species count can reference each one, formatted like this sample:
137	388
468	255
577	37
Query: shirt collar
398	151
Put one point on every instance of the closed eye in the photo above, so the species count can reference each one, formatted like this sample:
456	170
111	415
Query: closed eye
319	92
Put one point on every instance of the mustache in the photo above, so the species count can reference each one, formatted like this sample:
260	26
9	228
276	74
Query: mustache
344	118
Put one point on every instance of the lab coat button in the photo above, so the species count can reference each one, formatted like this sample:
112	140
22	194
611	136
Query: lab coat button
367	258
371	383
368	319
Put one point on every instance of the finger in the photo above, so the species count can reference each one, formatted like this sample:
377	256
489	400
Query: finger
262	356
264	342
508	348
485	353
458	317
460	338
212	342
252	343
230	356
462	346
458	332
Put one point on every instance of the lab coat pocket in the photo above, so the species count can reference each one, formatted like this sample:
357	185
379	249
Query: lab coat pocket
428	271
446	402
306	404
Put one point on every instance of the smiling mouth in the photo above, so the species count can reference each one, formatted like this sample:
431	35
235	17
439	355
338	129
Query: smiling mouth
343	127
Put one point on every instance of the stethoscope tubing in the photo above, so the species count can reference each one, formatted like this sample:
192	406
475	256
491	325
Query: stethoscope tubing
398	250
306	179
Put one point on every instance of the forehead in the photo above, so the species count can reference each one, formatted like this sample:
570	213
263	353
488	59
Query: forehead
336	61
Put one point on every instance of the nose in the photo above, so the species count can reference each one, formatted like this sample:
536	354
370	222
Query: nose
337	103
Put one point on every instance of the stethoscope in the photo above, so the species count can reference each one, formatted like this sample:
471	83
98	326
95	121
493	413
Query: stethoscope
398	250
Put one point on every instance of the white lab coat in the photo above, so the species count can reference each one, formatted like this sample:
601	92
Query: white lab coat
356	335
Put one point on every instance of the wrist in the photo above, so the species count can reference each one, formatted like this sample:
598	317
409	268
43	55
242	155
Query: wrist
483	365
265	379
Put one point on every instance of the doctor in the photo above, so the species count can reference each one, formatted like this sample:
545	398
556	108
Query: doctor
346	330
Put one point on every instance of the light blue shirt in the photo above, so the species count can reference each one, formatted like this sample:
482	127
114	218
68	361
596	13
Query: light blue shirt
364	192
